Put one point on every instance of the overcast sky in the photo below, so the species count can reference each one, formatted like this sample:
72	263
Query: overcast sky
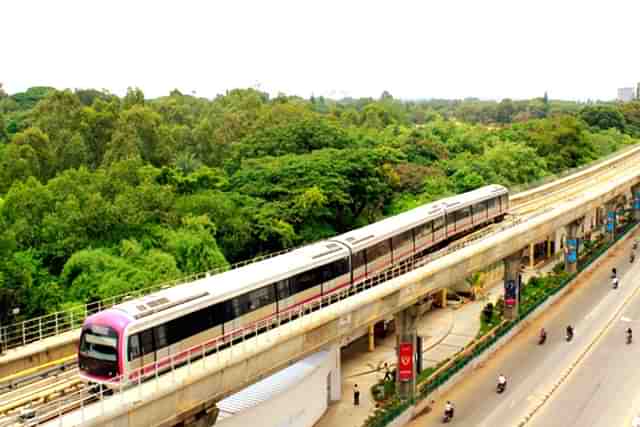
414	49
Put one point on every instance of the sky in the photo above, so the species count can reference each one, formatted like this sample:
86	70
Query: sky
490	49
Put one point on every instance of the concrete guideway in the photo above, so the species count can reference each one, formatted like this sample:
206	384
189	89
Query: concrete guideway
535	373
37	356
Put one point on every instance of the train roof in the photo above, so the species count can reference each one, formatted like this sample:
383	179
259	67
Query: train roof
235	282
381	230
475	196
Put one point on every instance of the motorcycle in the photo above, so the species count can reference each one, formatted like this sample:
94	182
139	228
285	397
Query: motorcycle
501	387
629	338
569	335
543	338
632	257
447	415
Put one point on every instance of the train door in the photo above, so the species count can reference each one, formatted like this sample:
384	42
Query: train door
402	246
238	307
378	257
450	223
134	356
439	231
359	266
161	343
147	347
284	297
423	236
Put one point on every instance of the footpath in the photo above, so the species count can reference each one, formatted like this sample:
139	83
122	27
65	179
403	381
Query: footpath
445	332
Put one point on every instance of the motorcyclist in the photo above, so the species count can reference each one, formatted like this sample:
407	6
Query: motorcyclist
629	334
614	273
543	335
448	409
569	331
502	382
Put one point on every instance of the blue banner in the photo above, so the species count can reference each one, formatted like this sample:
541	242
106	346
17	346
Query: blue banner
611	221
572	250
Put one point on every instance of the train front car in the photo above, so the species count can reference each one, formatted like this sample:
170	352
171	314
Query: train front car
101	347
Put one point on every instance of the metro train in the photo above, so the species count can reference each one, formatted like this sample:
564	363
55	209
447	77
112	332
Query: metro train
117	343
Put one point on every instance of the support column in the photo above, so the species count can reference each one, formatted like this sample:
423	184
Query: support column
548	247
610	208
406	321
443	298
636	202
372	338
532	254
571	247
336	374
512	284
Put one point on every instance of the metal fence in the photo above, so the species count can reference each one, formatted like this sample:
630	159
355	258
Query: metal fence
549	178
41	327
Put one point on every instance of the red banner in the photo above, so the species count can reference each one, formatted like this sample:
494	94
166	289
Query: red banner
405	362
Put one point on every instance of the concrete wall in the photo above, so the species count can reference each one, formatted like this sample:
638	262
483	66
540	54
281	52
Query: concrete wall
38	354
301	405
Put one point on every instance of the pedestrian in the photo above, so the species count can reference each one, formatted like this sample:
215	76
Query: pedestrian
356	395
387	372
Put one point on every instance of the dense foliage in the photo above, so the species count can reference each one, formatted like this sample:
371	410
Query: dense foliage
101	194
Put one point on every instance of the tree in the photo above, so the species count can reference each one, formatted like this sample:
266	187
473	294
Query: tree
603	117
3	129
17	163
194	246
515	163
134	96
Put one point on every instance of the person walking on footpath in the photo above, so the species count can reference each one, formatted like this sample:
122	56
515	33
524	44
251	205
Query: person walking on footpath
387	372
356	395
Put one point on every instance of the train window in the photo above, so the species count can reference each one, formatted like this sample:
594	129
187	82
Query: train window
305	280
378	250
146	338
438	224
240	305
219	314
358	259
282	289
491	204
480	209
423	231
340	267
261	297
160	335
404	239
324	273
451	222
134	347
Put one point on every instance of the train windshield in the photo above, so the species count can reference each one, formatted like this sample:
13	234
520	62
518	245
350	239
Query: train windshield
99	351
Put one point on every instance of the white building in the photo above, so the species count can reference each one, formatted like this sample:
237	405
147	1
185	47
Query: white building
296	396
626	94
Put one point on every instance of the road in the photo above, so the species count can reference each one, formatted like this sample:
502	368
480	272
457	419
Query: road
603	389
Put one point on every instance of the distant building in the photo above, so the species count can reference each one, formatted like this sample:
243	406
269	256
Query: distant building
626	94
